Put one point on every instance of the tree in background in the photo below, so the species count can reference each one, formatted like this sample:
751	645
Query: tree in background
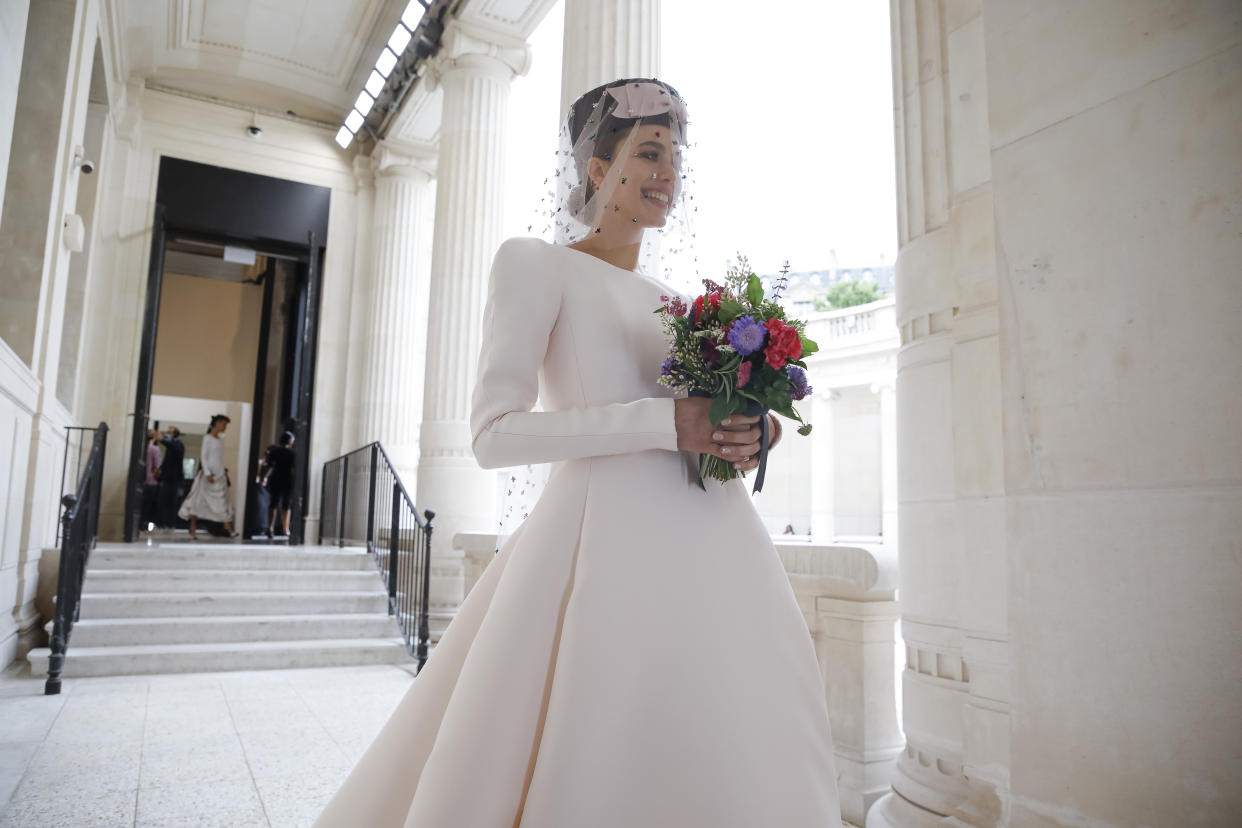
847	295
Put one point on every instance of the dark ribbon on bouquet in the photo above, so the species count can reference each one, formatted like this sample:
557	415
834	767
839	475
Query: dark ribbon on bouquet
753	409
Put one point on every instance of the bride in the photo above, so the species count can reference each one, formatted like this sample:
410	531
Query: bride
633	655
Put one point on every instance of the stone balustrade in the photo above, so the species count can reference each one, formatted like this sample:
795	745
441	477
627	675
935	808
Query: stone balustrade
861	324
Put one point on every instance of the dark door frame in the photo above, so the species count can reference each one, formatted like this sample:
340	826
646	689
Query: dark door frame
300	366
146	372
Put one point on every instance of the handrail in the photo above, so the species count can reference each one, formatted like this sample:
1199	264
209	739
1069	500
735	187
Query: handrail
363	501
70	433
79	530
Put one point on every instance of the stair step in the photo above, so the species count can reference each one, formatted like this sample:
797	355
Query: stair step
214	657
114	632
212	556
164	604
230	580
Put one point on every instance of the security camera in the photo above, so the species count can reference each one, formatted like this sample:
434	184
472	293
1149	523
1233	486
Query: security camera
86	165
255	131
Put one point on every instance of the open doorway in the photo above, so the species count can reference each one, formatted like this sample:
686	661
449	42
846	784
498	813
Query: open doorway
230	328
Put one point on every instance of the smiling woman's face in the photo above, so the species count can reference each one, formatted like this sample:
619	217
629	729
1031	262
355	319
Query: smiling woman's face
647	183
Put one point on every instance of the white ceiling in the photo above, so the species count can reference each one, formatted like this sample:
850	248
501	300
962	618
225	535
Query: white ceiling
309	56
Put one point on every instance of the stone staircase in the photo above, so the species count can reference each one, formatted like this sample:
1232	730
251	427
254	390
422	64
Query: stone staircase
179	607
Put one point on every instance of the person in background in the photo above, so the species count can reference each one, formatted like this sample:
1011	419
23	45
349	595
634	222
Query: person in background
172	477
279	482
151	483
209	495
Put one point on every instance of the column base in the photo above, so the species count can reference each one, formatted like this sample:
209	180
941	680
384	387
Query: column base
892	811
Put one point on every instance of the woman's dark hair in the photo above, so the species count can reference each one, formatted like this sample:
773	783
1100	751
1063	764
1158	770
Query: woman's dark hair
612	129
215	418
286	439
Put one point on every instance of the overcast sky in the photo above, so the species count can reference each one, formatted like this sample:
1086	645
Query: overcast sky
791	128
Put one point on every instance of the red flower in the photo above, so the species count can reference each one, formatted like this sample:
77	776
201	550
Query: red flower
783	344
743	375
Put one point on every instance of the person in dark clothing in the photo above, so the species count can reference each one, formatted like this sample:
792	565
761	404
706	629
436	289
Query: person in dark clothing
279	481
172	477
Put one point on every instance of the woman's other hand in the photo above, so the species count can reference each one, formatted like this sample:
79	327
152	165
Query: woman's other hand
735	440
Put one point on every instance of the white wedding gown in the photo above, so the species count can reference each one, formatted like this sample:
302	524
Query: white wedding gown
633	657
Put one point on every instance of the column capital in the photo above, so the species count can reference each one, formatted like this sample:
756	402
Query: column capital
402	159
468	46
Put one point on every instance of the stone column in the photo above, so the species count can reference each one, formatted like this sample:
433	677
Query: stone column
474	69
954	769
606	40
823	467
886	390
397	326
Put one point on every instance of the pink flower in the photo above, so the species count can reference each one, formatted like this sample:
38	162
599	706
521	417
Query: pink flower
743	374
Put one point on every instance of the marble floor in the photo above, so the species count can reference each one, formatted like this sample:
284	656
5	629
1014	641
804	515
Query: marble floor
255	748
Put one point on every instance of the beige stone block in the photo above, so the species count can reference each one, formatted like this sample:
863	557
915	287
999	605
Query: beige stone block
925	409
925	275
957	13
969	146
930	556
1119	247
1125	619
973	240
1048	61
984	564
977	432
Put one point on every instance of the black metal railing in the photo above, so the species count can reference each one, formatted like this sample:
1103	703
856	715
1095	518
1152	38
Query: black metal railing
76	438
364	503
79	529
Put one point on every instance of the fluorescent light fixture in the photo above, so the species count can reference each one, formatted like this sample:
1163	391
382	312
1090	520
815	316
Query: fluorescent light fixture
353	120
343	137
386	61
364	102
374	83
412	14
239	255
400	39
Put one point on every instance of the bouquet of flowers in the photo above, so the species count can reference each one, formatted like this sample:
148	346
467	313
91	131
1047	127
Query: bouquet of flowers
738	348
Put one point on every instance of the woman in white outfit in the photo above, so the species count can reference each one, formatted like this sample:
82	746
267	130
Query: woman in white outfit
634	656
209	495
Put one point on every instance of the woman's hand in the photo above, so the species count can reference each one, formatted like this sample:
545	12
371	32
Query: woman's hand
211	478
736	440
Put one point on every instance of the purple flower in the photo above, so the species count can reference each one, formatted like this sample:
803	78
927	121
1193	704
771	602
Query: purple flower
746	335
797	382
667	367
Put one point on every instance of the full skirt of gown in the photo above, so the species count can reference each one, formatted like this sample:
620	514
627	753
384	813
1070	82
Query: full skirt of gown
633	656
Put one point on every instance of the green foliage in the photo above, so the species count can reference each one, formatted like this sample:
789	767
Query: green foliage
754	290
847	295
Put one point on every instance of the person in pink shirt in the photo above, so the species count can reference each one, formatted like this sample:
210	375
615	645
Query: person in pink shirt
151	484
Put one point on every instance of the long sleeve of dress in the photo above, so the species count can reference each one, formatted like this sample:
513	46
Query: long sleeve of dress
212	456
523	301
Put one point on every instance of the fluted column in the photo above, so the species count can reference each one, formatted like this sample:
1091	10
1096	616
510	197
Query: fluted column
823	467
886	390
606	40
474	69
397	326
953	584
